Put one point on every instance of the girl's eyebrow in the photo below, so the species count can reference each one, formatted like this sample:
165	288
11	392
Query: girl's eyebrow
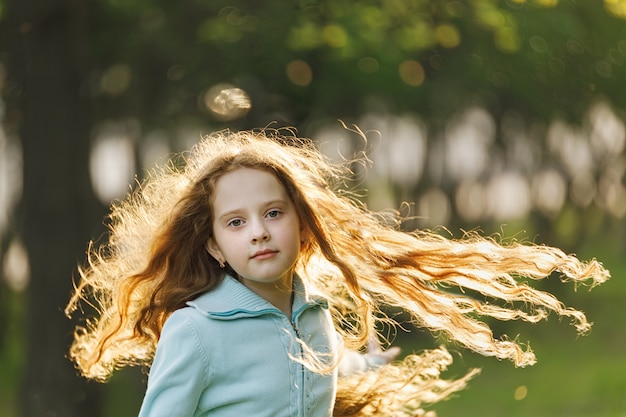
276	201
229	214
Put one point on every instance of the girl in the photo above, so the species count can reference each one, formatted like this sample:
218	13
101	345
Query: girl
247	280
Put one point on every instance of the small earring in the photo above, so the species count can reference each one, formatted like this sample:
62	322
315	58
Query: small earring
221	263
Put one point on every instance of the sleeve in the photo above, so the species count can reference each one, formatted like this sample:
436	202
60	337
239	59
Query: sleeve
353	362
179	373
356	362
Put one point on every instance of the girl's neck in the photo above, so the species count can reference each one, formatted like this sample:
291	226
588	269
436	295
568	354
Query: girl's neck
279	293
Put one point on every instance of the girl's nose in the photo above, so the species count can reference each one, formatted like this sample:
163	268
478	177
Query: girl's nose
260	233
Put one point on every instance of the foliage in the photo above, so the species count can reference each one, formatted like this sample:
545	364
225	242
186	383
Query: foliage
324	58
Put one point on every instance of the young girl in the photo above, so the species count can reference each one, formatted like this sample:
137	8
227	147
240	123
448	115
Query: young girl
247	281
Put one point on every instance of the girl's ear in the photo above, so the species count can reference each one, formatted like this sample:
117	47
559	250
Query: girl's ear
304	234
214	251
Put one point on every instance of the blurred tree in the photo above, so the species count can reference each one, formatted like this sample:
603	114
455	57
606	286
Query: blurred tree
47	59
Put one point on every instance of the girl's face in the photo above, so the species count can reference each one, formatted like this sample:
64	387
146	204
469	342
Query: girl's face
256	229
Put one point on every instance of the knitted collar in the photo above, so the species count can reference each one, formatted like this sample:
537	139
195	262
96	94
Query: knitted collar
232	300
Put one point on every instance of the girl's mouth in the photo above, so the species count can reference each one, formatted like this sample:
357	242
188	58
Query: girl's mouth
264	254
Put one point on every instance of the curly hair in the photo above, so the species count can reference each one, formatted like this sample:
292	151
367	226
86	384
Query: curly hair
155	260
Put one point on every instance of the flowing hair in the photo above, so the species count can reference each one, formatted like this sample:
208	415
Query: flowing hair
155	260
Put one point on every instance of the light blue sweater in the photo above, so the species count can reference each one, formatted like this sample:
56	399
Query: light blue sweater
228	355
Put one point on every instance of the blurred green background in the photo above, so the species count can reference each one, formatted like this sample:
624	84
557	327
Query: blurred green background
502	116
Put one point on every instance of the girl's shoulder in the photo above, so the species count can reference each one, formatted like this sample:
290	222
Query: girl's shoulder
184	320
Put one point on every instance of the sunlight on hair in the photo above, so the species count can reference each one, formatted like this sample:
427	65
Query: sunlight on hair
394	394
226	102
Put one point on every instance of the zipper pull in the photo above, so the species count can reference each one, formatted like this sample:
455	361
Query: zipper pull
295	329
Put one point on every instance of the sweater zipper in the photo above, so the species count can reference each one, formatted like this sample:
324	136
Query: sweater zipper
302	370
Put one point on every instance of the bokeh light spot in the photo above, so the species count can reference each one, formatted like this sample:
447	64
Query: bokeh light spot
111	165
549	191
491	17
116	80
520	392
335	36
176	73
538	44
433	208
15	266
227	102
547	3
583	189
616	7
299	72
471	202
368	65
507	40
509	196
448	36
575	47
11	178
604	69
412	73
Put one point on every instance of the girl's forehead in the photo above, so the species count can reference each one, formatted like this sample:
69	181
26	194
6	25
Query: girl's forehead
247	186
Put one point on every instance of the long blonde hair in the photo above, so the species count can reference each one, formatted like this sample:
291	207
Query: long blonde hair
155	260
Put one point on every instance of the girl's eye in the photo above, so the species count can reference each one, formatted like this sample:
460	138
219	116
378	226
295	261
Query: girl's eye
235	222
273	213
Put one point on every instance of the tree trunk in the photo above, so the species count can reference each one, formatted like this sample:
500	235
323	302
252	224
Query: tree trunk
47	62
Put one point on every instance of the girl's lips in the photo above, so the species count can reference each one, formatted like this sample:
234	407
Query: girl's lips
264	254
